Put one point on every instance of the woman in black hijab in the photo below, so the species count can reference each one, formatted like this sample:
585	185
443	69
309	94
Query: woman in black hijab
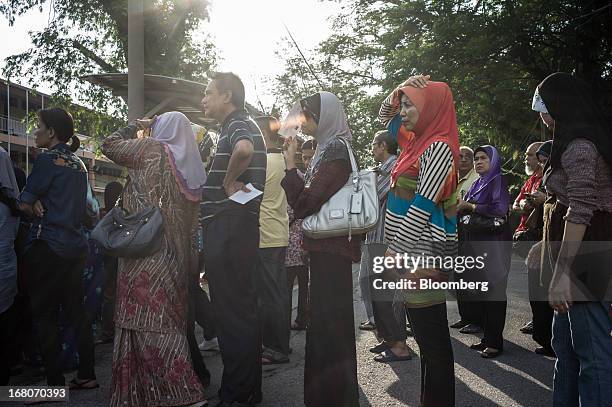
577	231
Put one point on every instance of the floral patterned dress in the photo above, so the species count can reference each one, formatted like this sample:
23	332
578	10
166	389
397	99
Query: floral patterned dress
151	361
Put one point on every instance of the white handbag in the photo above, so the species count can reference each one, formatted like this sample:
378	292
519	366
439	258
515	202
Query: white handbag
354	209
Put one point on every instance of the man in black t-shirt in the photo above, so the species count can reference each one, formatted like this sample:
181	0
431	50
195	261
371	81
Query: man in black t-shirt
231	238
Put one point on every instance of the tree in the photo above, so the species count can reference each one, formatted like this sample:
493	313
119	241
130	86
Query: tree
361	109
90	36
493	53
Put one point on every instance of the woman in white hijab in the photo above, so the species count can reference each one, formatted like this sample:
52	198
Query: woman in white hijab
330	376
152	364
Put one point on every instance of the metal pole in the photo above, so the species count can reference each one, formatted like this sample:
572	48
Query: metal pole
135	59
8	115
27	132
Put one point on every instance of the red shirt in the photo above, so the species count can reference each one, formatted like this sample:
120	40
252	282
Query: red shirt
531	185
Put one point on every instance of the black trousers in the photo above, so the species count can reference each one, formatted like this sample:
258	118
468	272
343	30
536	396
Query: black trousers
540	308
494	323
231	245
109	294
390	320
470	309
8	324
542	323
389	311
301	272
196	357
271	282
494	314
330	372
53	282
203	312
430	328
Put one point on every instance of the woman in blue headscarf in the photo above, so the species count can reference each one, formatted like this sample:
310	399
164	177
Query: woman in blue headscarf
484	232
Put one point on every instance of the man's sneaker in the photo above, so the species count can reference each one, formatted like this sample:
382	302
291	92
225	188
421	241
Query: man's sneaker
209	345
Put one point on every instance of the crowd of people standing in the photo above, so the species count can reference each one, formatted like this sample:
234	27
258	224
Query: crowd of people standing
436	198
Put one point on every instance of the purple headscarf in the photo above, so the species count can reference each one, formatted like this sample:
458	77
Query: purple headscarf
481	190
174	131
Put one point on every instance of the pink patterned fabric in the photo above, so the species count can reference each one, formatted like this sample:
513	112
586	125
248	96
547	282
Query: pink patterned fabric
296	256
151	360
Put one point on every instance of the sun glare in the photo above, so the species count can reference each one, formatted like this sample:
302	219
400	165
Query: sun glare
248	33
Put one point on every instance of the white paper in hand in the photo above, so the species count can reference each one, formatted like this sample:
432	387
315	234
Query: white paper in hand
243	197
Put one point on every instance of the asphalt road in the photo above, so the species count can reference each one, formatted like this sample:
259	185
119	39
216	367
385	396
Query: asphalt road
517	378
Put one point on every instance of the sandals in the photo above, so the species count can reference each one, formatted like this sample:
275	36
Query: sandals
490	353
527	328
269	357
88	384
459	324
388	356
380	348
297	327
470	329
485	351
367	326
270	361
478	346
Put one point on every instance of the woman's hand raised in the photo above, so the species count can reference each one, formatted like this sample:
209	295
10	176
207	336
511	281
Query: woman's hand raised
417	81
290	148
145	122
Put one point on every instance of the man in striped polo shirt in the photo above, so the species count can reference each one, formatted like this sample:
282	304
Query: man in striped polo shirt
231	238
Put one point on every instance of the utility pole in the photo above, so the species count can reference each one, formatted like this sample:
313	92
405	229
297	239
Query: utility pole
136	105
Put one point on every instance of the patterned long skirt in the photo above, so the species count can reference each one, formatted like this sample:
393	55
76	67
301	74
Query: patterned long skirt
153	369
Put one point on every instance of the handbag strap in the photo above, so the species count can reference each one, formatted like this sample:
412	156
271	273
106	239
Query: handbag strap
119	201
356	179
354	168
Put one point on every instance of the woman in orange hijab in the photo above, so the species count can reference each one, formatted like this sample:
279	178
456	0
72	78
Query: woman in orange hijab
421	220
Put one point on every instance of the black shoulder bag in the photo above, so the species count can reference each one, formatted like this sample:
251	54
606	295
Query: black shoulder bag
477	223
133	235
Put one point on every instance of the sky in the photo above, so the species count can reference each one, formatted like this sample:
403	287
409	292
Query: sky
246	32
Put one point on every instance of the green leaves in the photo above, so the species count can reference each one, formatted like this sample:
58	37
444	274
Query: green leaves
492	53
90	36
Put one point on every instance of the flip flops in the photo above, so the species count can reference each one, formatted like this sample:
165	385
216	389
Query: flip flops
478	346
381	347
90	384
270	357
489	353
470	329
297	327
388	356
367	326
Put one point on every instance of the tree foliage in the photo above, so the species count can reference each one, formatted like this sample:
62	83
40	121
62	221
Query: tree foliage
90	36
491	52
